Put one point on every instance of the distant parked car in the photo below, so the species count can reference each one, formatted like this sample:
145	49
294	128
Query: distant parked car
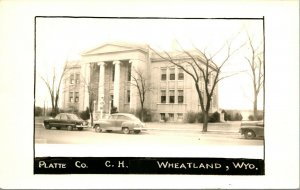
251	130
66	120
123	122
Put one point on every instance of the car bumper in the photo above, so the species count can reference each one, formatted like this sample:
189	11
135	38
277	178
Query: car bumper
139	129
82	126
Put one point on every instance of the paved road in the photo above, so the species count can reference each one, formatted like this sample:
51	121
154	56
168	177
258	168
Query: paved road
155	134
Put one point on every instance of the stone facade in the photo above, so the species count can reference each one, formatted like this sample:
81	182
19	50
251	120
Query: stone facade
104	76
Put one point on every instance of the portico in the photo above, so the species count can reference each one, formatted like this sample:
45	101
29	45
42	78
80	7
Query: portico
109	69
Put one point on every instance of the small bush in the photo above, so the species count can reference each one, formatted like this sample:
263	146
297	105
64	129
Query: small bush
231	115
238	117
85	115
38	111
215	117
190	117
199	117
114	110
147	114
259	117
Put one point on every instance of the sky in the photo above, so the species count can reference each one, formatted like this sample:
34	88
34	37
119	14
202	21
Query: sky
61	39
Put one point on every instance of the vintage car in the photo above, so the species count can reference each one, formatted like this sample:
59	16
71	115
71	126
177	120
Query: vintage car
66	120
123	122
252	130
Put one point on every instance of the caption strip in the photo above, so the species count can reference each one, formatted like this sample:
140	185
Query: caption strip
137	165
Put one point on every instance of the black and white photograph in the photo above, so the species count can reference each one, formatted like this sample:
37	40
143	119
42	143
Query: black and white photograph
152	99
151	87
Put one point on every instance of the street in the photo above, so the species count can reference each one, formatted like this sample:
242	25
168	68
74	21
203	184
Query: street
150	136
160	139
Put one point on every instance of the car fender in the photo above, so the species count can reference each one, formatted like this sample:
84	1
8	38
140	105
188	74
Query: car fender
128	124
101	122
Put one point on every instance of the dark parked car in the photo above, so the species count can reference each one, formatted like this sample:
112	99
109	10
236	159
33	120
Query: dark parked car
119	122
252	129
66	120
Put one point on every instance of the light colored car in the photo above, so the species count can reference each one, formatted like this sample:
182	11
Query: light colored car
251	130
123	122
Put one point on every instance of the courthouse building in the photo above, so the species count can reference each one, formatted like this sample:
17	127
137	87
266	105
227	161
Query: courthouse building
105	75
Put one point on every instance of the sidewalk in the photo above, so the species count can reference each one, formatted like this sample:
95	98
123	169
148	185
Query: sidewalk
221	128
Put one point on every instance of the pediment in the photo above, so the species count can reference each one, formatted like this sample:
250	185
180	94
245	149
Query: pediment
109	48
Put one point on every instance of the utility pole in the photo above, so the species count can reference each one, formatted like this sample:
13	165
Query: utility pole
44	109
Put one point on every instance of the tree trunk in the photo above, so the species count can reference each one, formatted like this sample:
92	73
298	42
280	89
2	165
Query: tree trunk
142	110
255	108
205	121
92	118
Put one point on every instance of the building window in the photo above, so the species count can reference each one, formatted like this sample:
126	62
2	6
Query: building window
72	79
71	96
129	72
76	96
180	74
162	116
214	100
180	96
77	78
171	116
163	73
162	96
172	73
171	96
180	116
128	96
111	101
113	73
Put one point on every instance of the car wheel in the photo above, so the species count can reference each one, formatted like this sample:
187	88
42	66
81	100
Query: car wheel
249	134
98	129
80	128
47	126
125	130
70	128
137	132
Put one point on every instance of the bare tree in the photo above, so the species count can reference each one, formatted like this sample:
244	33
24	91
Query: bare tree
91	89
256	63
202	68
140	82
54	88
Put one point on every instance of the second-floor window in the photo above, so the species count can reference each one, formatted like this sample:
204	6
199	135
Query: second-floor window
71	96
162	96
113	73
172	73
180	96
163	74
171	96
180	74
72	79
128	96
129	72
77	78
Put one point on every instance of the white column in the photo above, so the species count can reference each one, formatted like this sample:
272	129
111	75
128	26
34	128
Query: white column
117	84
101	86
86	83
